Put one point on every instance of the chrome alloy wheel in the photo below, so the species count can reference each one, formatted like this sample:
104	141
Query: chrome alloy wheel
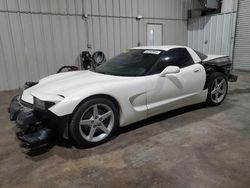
219	90
96	122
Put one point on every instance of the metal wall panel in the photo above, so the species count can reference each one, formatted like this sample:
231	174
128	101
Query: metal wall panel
229	6
39	36
242	41
212	34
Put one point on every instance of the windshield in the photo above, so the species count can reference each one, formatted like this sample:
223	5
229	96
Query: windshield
201	55
133	62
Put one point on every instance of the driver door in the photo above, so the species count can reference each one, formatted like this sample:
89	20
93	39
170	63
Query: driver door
175	90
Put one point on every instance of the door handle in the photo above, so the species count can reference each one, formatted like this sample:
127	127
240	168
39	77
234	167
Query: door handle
197	70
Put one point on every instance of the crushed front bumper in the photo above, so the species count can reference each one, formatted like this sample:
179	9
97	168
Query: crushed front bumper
31	132
21	114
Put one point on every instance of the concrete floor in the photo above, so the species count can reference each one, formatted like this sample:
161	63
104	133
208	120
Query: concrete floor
193	147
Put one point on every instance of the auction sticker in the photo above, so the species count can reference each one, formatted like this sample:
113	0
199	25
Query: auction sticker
155	52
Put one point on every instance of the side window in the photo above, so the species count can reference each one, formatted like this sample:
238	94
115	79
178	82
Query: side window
179	57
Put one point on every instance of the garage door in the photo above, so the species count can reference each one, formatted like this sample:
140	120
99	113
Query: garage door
242	41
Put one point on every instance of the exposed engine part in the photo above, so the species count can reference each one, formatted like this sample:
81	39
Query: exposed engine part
222	64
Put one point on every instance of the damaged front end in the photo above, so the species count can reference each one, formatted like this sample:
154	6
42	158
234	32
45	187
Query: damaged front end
35	125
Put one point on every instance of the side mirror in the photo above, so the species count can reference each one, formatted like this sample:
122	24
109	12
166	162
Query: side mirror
170	70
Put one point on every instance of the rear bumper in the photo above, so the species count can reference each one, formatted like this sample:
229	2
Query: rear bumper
232	78
35	128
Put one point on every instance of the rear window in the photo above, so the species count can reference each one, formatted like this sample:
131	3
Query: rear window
201	55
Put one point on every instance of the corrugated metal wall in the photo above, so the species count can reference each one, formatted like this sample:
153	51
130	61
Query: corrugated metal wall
39	36
212	34
229	6
242	40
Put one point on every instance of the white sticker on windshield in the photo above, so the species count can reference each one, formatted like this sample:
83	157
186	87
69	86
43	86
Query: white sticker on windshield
155	52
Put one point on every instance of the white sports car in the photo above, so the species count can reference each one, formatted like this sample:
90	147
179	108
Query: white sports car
138	83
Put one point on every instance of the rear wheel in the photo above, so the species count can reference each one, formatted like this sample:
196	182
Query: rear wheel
217	89
94	122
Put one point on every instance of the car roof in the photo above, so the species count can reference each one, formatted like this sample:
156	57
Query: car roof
164	48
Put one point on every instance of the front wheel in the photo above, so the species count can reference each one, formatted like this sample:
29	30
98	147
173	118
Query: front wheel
94	122
217	89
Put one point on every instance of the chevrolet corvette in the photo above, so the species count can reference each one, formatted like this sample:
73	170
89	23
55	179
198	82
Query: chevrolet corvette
89	105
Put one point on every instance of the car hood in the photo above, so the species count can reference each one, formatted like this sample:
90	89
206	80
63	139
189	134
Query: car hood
64	84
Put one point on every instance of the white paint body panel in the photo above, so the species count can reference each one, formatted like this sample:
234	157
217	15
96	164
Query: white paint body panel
211	57
175	89
138	97
77	86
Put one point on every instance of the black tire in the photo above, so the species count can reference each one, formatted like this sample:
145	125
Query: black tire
211	82
75	122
